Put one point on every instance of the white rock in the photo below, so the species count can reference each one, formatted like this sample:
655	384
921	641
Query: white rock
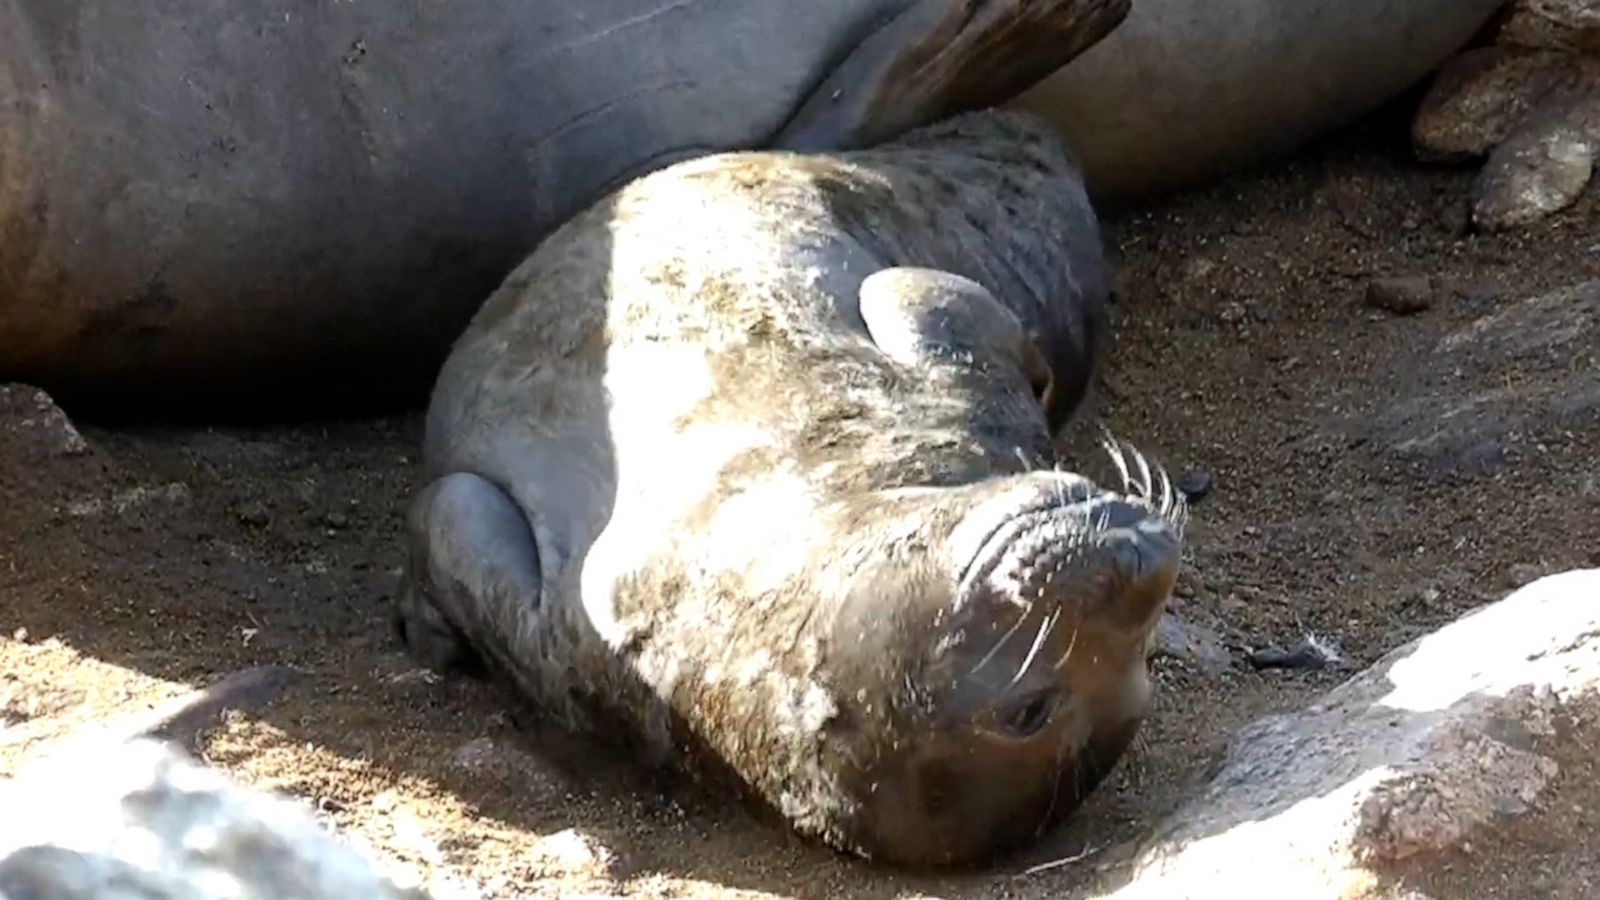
143	820
572	849
1436	741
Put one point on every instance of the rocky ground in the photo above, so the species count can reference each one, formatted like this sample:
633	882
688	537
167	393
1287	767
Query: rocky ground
1313	346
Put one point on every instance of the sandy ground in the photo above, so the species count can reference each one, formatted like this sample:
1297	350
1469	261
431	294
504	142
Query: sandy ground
155	559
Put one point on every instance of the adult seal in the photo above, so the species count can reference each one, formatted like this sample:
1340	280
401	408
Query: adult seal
226	203
751	461
1185	91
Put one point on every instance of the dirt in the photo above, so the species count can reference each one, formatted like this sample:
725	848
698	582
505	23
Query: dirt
154	558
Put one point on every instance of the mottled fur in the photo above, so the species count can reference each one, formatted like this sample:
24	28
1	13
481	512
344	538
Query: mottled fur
700	475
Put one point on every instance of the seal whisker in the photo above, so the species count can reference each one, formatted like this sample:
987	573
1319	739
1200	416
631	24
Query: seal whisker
1147	486
1035	462
1147	480
1055	788
1113	449
1176	510
1102	520
995	650
1071	643
1061	490
1169	495
1038	643
1161	494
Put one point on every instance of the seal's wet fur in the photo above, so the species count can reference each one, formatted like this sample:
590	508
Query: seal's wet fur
753	457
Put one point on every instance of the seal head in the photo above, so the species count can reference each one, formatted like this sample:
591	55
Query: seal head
997	655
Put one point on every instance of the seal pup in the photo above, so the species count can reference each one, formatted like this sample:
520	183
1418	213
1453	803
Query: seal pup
749	460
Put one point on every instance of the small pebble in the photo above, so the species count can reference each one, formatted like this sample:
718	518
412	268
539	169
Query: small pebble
1524	574
253	513
1196	484
1402	296
1426	598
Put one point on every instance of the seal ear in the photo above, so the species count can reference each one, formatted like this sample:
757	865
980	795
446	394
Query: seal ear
919	316
1037	368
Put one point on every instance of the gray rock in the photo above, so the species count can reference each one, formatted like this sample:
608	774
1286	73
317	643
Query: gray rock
32	417
1193	644
1517	375
142	820
1566	24
1530	103
1439	741
1543	166
1522	574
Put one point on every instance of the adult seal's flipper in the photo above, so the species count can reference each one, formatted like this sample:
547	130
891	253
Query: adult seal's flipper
942	57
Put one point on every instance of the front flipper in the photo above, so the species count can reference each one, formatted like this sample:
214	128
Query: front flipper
472	579
944	57
933	318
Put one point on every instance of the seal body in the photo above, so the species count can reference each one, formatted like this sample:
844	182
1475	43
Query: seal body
227	202
1185	90
751	462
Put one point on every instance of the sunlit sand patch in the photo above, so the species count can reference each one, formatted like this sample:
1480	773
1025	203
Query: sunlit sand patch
39	708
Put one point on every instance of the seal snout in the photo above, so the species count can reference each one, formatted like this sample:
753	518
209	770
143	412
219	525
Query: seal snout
1064	534
1142	551
1139	542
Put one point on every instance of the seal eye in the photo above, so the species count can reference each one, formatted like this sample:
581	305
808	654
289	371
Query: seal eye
1028	716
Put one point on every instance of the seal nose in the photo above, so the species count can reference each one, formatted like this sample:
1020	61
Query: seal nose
1144	551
